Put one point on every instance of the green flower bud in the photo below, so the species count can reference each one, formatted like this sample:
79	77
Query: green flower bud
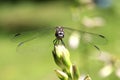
74	72
87	78
62	75
62	57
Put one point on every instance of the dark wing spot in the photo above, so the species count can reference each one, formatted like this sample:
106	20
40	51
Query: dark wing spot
17	34
97	47
102	36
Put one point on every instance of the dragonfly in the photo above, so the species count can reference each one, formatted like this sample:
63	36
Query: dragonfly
60	34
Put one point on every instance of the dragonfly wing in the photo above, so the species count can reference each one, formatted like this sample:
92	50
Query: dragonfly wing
26	36
90	37
34	39
27	40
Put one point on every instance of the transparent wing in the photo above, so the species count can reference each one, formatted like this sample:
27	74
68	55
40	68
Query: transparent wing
27	36
23	37
89	37
28	39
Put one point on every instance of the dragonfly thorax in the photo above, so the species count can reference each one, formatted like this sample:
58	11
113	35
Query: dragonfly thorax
59	32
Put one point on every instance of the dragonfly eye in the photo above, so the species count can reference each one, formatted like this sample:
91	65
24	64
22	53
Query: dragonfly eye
59	34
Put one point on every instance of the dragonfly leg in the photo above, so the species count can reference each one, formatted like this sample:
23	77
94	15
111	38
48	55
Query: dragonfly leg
62	42
56	41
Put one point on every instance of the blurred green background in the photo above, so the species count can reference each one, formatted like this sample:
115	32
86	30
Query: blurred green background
34	61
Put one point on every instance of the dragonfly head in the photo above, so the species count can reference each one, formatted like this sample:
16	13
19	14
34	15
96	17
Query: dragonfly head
59	32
